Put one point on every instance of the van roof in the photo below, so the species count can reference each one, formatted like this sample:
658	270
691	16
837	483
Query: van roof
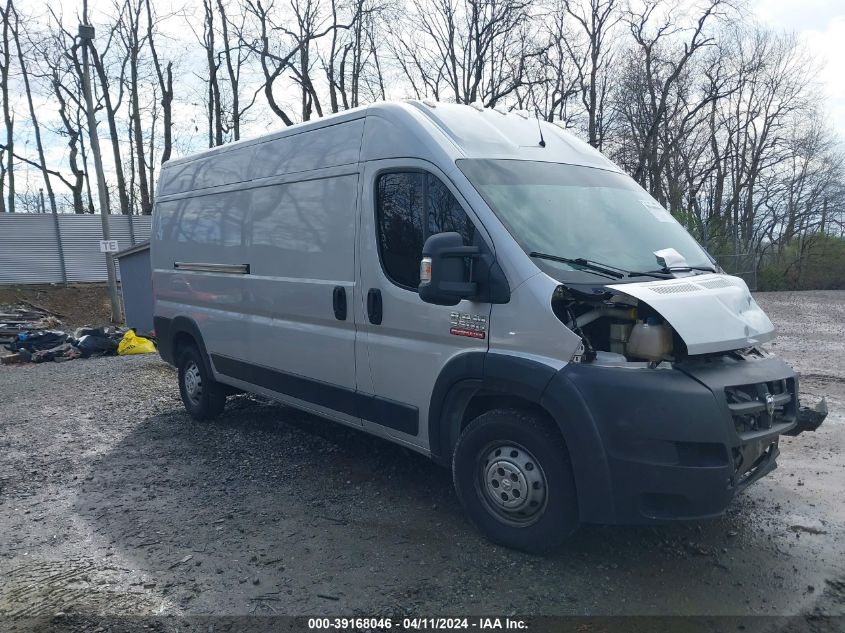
462	131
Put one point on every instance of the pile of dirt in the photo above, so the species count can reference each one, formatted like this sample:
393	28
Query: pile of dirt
76	305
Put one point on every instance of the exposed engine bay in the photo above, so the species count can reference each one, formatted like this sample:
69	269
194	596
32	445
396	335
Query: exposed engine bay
665	320
616	328
692	319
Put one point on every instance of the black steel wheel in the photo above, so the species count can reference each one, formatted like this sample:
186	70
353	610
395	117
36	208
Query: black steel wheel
513	476
203	398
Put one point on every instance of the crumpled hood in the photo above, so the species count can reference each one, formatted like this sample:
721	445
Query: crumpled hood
711	313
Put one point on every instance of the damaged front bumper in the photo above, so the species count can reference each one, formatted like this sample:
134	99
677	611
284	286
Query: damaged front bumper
680	443
809	419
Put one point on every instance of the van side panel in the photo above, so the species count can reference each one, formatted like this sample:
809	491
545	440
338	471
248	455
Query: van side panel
302	246
202	173
194	230
282	208
327	147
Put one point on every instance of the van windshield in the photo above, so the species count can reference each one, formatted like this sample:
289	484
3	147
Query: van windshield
580	212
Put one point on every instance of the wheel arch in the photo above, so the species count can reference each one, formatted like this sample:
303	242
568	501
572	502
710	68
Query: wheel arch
475	382
176	332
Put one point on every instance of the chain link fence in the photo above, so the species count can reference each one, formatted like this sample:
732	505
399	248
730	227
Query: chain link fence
743	265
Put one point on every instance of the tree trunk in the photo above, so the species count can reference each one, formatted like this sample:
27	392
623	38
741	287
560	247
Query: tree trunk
143	186
8	119
111	117
234	77
215	116
73	133
34	119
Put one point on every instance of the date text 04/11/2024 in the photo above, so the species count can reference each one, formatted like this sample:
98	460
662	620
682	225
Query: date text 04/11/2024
417	624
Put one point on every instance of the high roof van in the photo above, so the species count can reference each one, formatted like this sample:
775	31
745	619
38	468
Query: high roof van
485	289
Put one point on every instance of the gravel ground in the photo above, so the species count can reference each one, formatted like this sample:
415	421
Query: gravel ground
112	501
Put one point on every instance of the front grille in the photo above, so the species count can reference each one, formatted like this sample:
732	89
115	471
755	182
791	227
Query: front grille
762	406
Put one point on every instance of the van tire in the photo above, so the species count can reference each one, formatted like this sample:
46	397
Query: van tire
203	398
533	476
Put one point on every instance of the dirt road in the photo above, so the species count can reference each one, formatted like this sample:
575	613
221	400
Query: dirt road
112	501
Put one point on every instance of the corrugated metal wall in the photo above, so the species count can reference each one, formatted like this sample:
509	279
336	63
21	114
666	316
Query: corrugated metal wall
30	253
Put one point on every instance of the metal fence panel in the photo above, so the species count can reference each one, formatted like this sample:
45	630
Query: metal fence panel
30	251
81	244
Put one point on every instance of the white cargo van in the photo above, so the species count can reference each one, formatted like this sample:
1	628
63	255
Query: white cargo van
482	288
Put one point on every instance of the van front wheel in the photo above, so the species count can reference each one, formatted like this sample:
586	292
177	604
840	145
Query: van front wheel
513	476
203	398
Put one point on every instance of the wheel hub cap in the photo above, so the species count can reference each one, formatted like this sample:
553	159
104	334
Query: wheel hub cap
193	382
513	483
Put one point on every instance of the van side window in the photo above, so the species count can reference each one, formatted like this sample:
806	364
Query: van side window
410	207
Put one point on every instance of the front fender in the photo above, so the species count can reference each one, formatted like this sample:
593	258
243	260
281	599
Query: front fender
537	383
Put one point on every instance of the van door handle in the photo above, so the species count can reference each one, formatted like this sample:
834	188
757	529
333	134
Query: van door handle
339	303
374	306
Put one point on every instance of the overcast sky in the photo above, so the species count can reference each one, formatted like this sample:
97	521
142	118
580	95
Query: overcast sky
821	25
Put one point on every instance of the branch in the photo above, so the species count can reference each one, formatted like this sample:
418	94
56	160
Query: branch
32	163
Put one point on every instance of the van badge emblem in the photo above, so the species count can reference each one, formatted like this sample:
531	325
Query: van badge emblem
470	325
770	404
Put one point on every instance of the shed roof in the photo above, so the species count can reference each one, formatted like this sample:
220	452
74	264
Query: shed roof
142	246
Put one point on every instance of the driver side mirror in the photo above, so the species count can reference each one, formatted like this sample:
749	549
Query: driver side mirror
444	274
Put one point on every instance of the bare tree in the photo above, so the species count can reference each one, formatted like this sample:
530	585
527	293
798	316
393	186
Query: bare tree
39	146
112	105
662	50
308	17
595	22
59	73
467	50
277	56
7	14
354	66
214	108
352	63
165	86
72	130
554	78
134	39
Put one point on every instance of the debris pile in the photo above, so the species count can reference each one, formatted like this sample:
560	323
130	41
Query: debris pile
22	317
32	336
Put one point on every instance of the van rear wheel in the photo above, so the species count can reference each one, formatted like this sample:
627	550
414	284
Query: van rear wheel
513	476
203	398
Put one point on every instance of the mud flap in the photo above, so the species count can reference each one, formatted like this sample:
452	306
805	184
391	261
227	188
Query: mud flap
809	419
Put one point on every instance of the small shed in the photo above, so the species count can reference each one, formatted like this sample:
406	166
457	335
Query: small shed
136	286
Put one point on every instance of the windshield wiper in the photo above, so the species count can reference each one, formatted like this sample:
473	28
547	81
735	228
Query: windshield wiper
580	261
606	269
